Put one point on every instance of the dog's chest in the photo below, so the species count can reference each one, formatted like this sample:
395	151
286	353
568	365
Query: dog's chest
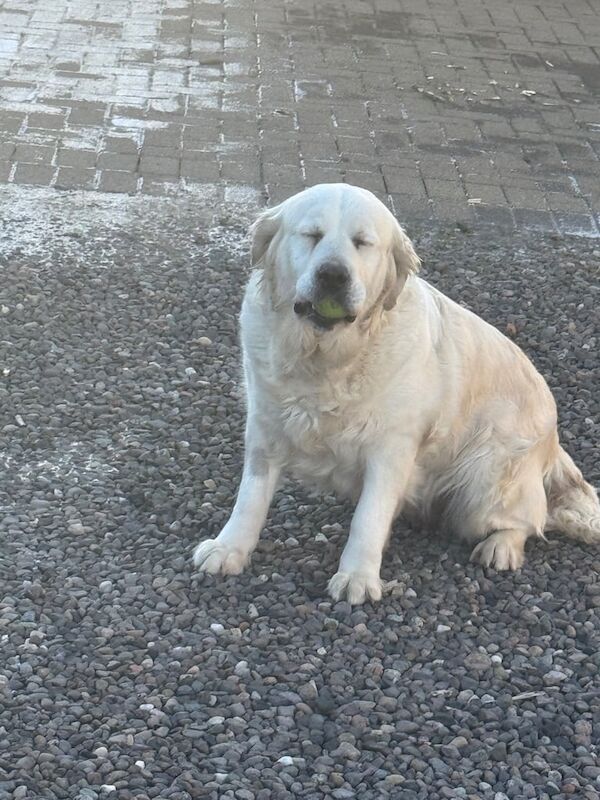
320	432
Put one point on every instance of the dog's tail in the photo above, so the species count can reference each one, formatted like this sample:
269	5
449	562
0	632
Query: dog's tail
573	506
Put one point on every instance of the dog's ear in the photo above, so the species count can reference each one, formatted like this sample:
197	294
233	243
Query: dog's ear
263	231
403	261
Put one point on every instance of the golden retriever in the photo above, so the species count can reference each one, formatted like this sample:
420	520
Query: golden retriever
363	379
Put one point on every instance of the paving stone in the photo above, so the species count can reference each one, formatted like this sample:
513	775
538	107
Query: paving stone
118	161
81	159
118	182
87	116
75	178
120	144
37	174
168	168
5	170
579	224
46	121
489	195
10	123
535	220
6	150
33	154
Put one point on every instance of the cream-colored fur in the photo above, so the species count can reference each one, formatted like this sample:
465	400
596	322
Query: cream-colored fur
418	404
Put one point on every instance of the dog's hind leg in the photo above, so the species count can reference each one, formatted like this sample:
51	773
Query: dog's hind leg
502	550
519	513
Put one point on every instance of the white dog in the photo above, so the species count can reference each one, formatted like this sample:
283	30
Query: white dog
363	379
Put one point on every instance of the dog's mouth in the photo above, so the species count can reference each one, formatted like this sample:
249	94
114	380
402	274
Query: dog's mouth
306	310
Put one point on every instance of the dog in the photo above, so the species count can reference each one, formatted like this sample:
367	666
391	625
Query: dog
364	380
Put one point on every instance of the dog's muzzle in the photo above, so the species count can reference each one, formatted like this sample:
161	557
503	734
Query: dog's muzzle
328	306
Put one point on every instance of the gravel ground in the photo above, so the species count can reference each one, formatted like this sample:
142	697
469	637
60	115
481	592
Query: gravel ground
123	674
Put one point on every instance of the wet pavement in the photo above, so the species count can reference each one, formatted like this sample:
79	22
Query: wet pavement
464	112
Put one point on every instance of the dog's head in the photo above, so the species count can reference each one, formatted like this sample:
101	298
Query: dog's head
332	254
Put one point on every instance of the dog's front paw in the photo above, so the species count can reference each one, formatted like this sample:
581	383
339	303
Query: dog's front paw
356	587
213	556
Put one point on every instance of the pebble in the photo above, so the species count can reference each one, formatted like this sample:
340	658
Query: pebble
459	742
346	751
478	661
76	528
395	780
583	732
554	677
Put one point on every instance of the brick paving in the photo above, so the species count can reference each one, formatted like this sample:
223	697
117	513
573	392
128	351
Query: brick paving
456	109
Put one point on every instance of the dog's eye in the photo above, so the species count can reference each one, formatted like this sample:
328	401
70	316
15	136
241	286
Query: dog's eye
314	236
358	242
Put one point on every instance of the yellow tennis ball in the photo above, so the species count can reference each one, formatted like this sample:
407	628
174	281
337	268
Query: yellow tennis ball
330	309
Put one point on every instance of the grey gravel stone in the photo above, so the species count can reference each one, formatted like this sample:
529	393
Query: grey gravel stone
554	677
346	751
478	661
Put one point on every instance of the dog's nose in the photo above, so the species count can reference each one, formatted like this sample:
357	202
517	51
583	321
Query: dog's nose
332	275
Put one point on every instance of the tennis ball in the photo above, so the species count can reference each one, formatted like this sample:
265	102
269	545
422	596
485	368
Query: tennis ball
330	309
